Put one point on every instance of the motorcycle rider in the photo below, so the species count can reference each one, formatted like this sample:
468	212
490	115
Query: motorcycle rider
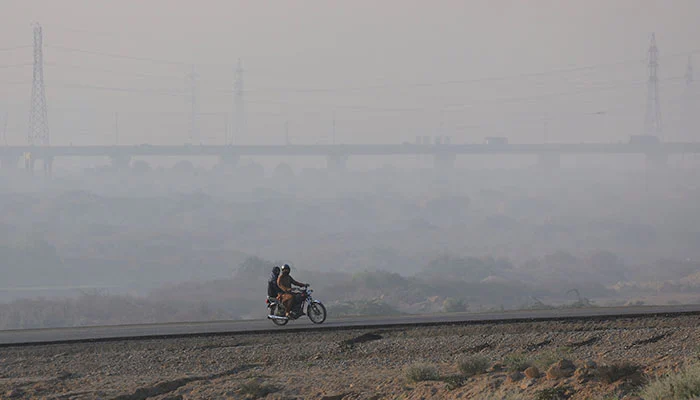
285	282
272	289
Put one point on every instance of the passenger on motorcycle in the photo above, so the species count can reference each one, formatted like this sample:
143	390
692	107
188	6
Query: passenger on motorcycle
285	282
272	289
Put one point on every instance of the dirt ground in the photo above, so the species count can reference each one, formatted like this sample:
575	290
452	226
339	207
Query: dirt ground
364	364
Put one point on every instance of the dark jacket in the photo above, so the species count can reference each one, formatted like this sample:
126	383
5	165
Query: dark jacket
272	288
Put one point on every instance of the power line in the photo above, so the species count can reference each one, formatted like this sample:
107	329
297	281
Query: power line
16	47
15	65
119	89
450	82
111	71
111	55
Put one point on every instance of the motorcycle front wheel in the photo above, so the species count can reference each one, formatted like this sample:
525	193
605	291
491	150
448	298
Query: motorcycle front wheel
316	312
278	311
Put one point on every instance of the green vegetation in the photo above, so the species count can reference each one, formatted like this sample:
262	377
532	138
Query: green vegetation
680	386
556	393
517	362
422	372
452	304
471	366
616	372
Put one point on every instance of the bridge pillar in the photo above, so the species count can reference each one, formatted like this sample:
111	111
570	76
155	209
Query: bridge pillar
549	161
337	162
657	160
120	162
29	162
444	160
48	165
229	160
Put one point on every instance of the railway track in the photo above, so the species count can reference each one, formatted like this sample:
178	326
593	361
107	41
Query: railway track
34	337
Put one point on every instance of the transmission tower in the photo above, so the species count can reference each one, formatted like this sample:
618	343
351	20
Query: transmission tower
652	121
192	79
38	119
238	104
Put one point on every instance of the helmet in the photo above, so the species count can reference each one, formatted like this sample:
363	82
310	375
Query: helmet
276	270
286	267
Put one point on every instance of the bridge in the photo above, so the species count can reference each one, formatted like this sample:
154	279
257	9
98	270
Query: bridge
444	155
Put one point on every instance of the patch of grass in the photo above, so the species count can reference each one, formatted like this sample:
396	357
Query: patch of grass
256	390
546	358
471	366
683	385
615	372
454	381
517	362
422	372
557	393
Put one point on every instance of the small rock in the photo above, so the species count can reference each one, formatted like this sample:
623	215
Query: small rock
515	376
527	383
495	384
561	369
590	364
532	372
497	367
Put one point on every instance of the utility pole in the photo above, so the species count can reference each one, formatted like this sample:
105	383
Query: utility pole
192	78
38	118
238	103
652	123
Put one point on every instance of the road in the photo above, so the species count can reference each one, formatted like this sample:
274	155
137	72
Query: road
173	330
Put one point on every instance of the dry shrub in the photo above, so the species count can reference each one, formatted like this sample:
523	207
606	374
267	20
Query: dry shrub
517	362
683	385
422	372
619	371
471	366
555	393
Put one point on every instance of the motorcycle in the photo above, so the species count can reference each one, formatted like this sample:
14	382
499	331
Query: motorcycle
306	306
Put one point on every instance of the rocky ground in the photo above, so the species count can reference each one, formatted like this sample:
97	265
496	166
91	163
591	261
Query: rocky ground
574	359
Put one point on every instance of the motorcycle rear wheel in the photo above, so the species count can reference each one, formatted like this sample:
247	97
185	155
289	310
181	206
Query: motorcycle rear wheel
316	312
278	311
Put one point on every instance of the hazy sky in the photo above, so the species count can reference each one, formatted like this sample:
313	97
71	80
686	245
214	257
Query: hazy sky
387	70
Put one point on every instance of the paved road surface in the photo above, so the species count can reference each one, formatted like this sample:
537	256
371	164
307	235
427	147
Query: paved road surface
101	333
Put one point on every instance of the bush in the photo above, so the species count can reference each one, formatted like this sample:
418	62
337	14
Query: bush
361	307
452	304
256	390
517	362
422	372
557	393
683	385
615	372
473	365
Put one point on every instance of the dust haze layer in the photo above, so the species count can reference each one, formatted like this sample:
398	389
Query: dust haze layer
167	238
